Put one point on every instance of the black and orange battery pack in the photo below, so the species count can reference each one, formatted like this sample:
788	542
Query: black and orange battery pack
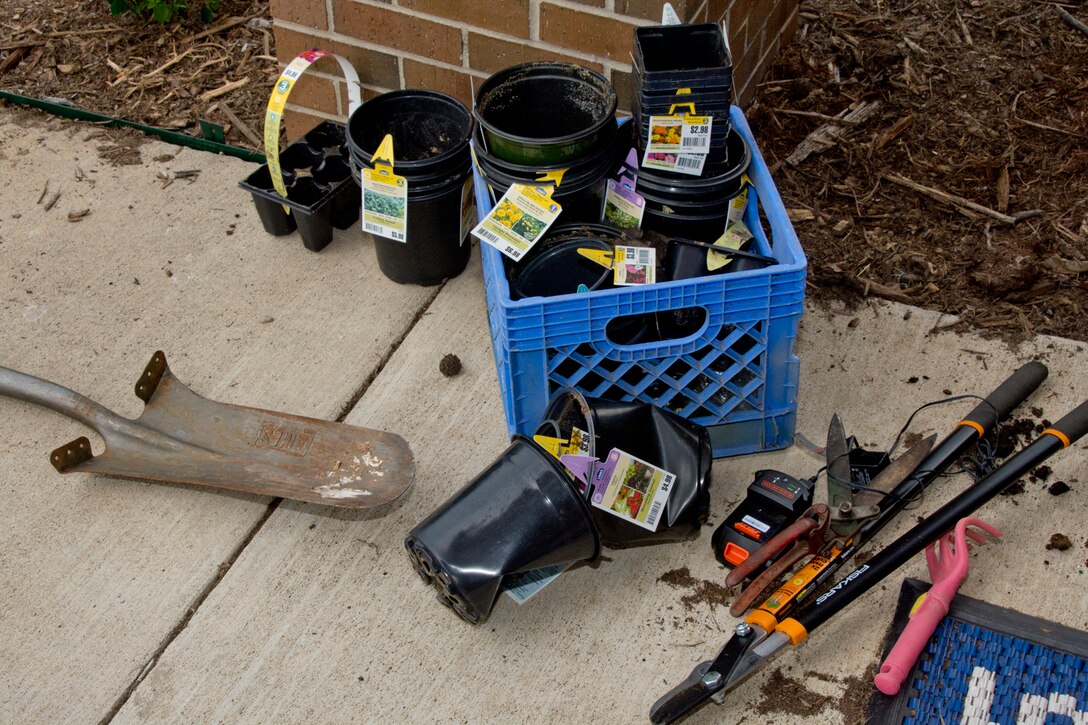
774	501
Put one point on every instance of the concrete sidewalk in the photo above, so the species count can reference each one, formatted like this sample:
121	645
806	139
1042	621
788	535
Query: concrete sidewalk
135	601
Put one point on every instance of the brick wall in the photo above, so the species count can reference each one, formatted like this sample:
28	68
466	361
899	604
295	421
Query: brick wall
450	45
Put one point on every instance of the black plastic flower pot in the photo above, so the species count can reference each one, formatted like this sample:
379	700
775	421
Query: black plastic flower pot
581	197
554	267
334	171
718	180
703	227
669	57
437	245
431	133
274	218
560	270
686	259
658	437
544	113
523	512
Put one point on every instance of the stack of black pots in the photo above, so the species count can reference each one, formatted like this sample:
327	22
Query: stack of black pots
431	133
696	207
683	64
539	117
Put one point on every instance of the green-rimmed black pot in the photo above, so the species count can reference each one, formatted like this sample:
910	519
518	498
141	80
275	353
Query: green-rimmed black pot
544	113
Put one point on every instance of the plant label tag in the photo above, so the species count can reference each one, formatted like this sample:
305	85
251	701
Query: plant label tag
632	489
581	467
385	204
519	219
385	196
468	209
622	205
634	266
579	442
733	238
680	134
678	143
738	203
525	585
551	444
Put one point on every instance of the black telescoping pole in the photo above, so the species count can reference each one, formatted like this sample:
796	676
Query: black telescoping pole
1065	432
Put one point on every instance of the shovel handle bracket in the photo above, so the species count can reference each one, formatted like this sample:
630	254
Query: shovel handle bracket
71	455
151	377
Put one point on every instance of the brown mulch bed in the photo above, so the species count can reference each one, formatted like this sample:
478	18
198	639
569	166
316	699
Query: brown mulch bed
169	75
984	100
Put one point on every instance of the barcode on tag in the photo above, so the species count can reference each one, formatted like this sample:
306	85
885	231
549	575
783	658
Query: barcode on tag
686	162
489	236
695	142
372	227
659	503
498	242
641	255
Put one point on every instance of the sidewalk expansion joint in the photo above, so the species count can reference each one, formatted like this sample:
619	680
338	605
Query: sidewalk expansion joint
272	506
365	385
190	612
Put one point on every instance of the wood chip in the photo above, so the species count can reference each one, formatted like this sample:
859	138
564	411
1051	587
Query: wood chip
800	215
13	59
241	125
1053	129
76	216
1061	265
887	291
1002	190
893	132
829	134
951	199
221	90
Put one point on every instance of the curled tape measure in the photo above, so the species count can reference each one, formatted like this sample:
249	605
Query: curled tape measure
276	102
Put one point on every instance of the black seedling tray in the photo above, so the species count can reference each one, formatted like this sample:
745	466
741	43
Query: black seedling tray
668	57
320	191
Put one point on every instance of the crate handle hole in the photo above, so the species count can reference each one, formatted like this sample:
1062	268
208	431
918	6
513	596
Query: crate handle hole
647	328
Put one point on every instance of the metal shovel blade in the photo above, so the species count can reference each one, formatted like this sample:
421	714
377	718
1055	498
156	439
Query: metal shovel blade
184	438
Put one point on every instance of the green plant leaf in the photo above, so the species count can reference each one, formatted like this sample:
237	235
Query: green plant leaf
118	6
163	11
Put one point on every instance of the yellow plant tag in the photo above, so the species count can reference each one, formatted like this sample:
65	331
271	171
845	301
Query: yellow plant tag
733	238
600	256
738	203
278	100
385	196
555	446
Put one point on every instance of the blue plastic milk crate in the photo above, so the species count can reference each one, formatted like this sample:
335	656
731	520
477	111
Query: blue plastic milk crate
737	375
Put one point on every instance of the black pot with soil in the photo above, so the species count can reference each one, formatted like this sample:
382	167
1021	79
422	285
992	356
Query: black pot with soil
544	113
431	134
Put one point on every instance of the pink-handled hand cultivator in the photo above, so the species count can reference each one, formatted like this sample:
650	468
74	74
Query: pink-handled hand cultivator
947	568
